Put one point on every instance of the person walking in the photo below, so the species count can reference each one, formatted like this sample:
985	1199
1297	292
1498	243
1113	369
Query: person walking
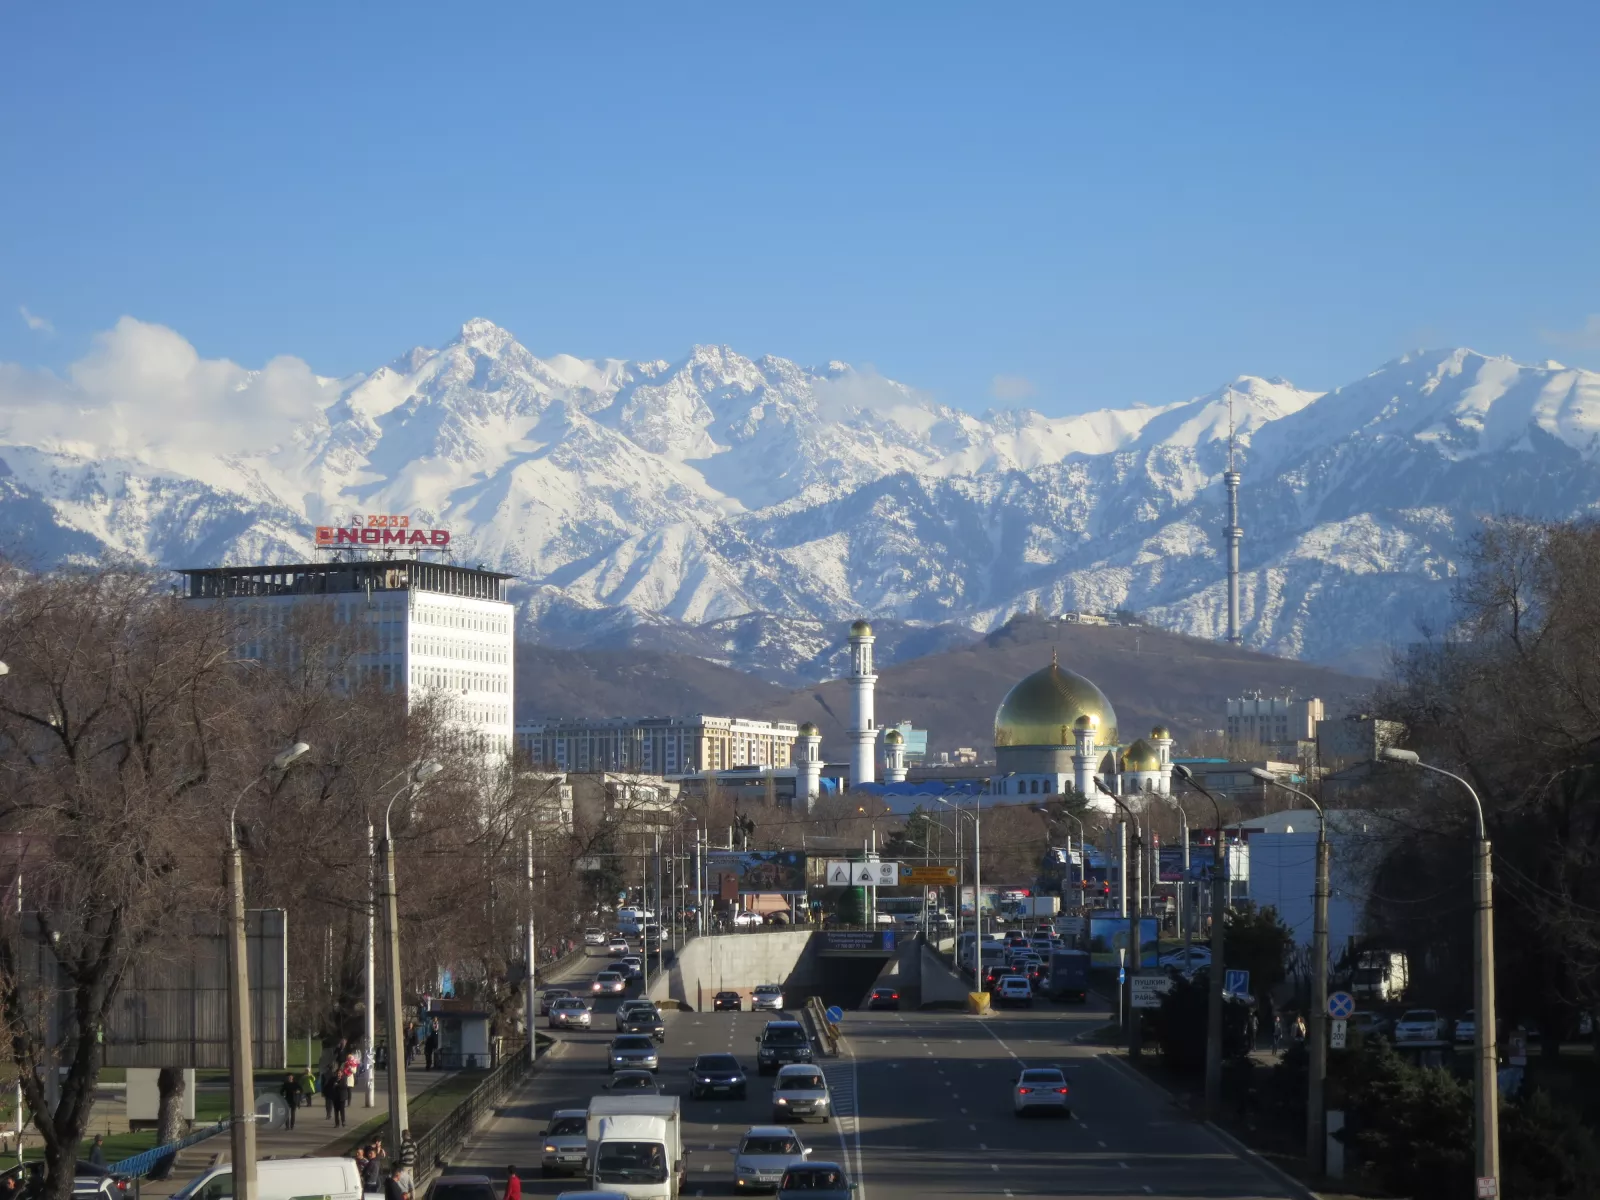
97	1152
338	1100
1255	1030
431	1046
308	1086
1299	1027
290	1091
1277	1032
513	1184
326	1082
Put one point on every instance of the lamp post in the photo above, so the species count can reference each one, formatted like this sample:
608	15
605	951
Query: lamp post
1487	1149
1219	937
1135	919
977	890
398	1120
241	1064
1316	1137
1185	905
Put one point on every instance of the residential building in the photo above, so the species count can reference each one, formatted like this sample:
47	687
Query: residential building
1272	721
428	630
657	745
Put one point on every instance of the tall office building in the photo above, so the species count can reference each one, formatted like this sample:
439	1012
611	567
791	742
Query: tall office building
433	630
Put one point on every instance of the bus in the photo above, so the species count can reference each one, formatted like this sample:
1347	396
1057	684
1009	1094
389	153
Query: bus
906	910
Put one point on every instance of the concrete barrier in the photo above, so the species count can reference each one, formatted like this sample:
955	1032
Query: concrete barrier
941	986
823	1030
736	962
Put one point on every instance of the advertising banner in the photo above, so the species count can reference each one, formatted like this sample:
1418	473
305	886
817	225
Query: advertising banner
757	870
1108	934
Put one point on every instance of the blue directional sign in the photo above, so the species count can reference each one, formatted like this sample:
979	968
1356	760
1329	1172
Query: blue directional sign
1122	976
835	1014
1341	1005
1237	982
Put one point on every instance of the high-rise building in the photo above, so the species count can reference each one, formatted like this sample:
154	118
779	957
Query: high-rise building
430	629
657	745
1272	720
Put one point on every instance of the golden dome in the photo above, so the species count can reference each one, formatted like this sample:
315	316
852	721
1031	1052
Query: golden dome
809	730
1160	731
1043	709
1141	756
893	738
860	629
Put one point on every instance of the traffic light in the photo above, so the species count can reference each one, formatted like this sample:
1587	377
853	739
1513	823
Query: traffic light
1105	888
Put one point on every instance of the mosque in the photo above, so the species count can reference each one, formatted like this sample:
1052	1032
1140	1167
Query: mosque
1054	732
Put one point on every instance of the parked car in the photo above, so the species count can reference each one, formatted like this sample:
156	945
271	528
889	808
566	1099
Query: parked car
884	997
1466	1030
716	1075
745	919
1419	1025
766	997
1197	957
90	1181
816	1181
1040	1089
800	1091
570	1013
1368	1023
727	1002
566	1142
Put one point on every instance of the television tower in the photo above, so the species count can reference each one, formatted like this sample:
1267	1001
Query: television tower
1233	532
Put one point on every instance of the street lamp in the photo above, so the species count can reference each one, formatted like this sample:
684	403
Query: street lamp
419	774
977	890
1316	1138
241	1073
1219	937
1135	918
1488	1099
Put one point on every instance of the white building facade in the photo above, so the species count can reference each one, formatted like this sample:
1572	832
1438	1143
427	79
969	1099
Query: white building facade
1272	720
431	631
657	745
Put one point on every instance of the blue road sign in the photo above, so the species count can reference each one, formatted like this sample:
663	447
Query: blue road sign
835	1014
1237	982
1341	1005
1122	976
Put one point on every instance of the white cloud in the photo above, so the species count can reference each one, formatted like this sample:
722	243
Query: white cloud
1011	387
857	390
1585	337
35	322
143	390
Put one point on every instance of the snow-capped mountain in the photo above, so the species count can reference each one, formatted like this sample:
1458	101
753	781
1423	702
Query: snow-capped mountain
699	495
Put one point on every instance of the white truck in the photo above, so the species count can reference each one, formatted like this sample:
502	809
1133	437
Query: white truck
635	1146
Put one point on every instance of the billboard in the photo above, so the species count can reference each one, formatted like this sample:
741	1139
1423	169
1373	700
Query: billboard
173	1011
382	530
757	870
1108	934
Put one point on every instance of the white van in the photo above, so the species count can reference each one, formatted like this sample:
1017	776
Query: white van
282	1179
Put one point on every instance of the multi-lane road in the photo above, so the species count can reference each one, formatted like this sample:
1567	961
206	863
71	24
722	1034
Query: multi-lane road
924	1110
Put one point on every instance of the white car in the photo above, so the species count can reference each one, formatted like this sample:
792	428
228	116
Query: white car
609	983
1013	989
744	918
800	1091
766	997
566	1142
763	1154
1040	1089
1466	1030
570	1013
1199	956
1419	1025
594	937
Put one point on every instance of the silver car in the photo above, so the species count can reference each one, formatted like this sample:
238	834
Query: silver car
767	997
633	1050
764	1153
628	1006
800	1091
570	1013
565	1142
609	983
1041	1089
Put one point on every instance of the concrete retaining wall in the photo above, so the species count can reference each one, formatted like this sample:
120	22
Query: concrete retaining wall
737	962
942	987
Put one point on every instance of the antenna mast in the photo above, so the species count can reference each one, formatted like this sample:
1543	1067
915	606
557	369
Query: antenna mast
1232	532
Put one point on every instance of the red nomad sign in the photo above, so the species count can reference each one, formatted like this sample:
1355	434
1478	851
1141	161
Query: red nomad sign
370	535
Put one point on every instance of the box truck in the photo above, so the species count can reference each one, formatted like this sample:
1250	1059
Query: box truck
635	1146
1069	975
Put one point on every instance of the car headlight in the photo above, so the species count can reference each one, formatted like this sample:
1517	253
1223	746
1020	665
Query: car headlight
705	1081
549	1149
781	1100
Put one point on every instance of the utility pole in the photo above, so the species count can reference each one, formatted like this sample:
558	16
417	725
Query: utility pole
532	952
369	1022
242	1102
1135	942
660	907
1219	936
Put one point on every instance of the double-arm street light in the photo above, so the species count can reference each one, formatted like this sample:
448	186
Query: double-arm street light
1135	919
1487	1149
242	1092
1219	937
1316	1138
418	775
977	892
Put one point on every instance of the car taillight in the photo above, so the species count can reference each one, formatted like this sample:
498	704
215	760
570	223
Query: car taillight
1062	1090
896	996
1022	1091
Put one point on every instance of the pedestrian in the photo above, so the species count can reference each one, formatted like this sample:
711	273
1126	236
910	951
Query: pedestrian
97	1152
326	1082
290	1091
1277	1032
393	1188
431	1046
308	1086
408	1159
411	1041
371	1172
348	1073
339	1101
513	1184
1299	1027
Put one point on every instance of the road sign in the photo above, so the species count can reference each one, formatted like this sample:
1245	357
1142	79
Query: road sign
1149	988
926	876
835	1014
1237	982
838	873
887	874
1341	1005
1488	1188
1071	927
1336	1033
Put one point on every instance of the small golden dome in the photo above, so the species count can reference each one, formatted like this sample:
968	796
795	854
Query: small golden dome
893	738
1141	756
860	629
1160	731
809	730
1084	722
1045	707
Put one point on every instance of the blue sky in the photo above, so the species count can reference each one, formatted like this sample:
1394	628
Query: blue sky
1062	205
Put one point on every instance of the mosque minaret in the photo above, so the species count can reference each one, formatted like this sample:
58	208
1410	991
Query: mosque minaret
863	731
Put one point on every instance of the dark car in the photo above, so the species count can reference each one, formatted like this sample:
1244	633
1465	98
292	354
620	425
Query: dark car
727	1002
815	1181
90	1181
645	1020
716	1075
779	1043
993	974
884	997
462	1187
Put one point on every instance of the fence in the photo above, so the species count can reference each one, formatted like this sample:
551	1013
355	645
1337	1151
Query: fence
456	1126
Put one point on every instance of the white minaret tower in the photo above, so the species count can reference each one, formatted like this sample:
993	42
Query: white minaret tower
1083	758
863	731
1161	739
808	757
894	757
1233	532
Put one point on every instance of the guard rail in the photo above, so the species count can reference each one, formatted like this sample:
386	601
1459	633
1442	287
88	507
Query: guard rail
827	1032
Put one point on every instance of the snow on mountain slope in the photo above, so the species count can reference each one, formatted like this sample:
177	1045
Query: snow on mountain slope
744	506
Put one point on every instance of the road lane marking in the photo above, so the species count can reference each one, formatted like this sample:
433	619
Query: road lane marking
1149	1190
994	1166
983	1145
974	1128
1102	1145
1123	1165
